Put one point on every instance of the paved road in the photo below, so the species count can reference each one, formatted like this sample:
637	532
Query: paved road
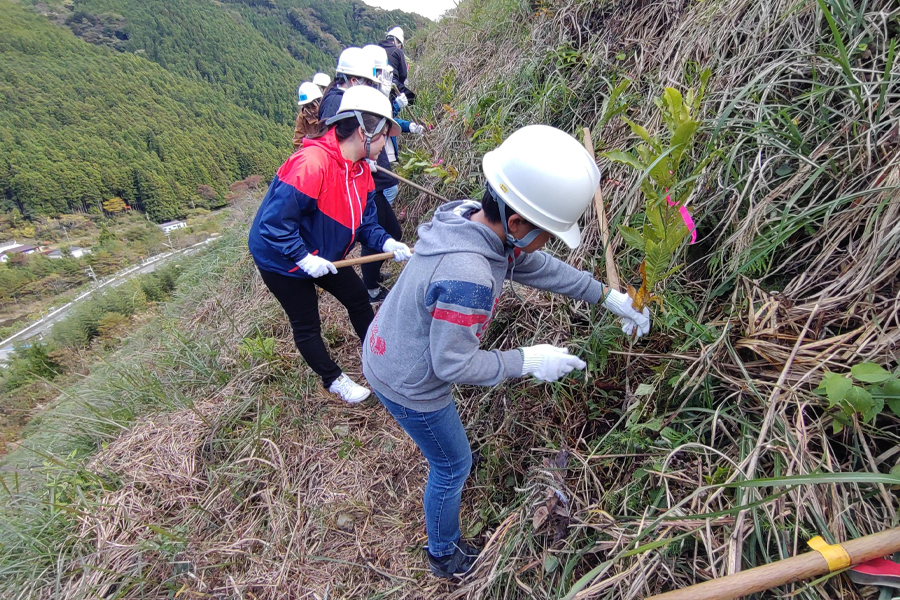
41	327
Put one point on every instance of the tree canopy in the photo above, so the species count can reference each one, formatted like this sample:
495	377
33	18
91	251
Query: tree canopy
81	124
255	52
167	96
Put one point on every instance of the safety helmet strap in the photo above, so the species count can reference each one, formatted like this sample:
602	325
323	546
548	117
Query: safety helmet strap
369	135
511	242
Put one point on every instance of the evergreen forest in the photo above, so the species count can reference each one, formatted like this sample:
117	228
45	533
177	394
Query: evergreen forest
167	100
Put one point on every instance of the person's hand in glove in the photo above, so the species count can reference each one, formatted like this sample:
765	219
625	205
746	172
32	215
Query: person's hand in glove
315	266
401	251
549	363
416	129
630	327
402	101
633	322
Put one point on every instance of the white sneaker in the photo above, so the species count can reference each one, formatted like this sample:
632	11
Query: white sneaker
348	390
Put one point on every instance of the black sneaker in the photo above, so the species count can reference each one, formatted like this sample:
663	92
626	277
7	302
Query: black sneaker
382	294
455	565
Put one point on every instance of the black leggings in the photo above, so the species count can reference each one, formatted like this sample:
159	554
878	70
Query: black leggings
388	220
299	300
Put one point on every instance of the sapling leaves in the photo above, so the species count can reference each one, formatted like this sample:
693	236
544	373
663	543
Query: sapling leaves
632	237
624	158
643	134
682	137
663	185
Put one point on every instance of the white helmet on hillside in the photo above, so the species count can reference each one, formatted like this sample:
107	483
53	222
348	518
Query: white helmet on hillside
308	92
322	80
547	177
363	99
379	55
396	33
355	62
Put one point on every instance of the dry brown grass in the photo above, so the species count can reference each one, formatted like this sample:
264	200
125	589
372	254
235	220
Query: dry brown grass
249	493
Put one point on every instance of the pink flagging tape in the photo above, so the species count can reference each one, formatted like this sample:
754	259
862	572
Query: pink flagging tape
686	217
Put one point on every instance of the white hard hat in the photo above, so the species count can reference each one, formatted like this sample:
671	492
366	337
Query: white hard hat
364	99
354	62
308	92
379	55
397	33
322	80
546	176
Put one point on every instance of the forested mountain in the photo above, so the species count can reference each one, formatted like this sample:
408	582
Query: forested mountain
80	124
254	51
315	31
168	95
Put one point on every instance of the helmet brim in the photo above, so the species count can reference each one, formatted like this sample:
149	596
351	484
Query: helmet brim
395	127
572	237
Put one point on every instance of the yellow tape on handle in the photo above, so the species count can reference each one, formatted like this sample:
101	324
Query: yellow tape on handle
835	555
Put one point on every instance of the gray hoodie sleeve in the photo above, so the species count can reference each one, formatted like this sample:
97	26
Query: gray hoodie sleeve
461	301
542	271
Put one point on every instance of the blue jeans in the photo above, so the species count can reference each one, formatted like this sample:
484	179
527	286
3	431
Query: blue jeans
442	439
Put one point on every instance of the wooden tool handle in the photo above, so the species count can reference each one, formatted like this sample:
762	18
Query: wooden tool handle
363	259
612	275
377	169
789	570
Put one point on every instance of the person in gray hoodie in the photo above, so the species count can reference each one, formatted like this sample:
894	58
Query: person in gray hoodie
427	334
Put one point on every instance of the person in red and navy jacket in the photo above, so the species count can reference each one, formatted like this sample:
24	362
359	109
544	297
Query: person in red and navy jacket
317	207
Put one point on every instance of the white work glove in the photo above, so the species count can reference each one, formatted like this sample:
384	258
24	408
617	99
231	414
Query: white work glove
416	129
315	266
633	322
402	101
549	363
401	251
373	165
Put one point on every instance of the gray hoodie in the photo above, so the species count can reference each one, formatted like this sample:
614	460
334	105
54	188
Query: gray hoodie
426	335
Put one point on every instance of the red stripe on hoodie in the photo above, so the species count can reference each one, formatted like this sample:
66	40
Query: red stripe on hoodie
451	316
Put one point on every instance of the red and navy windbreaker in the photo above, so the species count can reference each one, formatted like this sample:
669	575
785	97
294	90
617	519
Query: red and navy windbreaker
319	203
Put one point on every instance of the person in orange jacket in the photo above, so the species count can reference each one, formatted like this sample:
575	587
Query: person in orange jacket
308	97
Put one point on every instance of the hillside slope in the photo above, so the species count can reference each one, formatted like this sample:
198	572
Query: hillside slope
207	462
81	124
793	180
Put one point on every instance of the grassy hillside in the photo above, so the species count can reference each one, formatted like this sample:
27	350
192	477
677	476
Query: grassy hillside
205	461
792	179
80	124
